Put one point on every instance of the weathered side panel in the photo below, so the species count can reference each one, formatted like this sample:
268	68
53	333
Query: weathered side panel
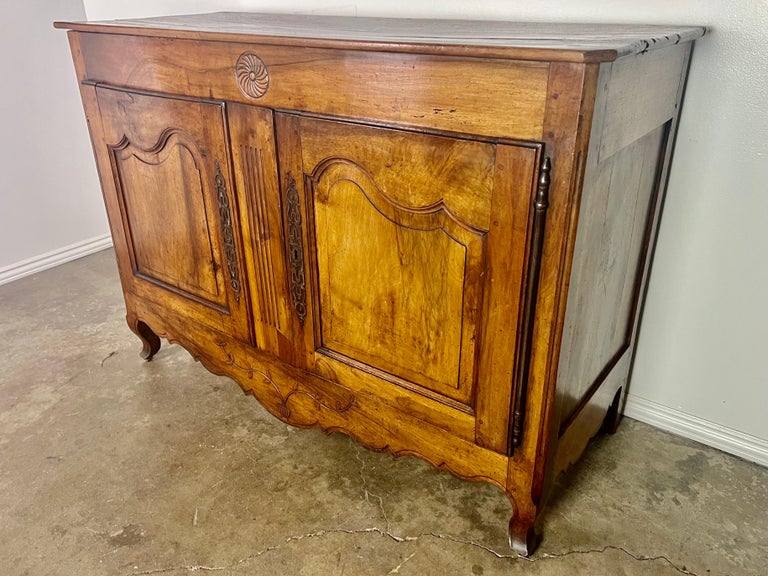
635	115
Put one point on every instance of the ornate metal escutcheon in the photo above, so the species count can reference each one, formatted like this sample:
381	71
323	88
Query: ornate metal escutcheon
225	216
296	250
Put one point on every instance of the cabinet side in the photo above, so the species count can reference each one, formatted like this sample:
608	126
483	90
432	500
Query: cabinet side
636	112
96	133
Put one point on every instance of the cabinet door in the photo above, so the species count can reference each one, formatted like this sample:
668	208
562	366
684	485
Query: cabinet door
178	239
407	253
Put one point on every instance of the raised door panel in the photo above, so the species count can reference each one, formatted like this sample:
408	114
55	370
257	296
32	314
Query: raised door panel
168	219
170	172
398	288
399	225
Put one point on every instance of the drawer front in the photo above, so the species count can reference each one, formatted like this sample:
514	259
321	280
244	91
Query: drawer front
445	93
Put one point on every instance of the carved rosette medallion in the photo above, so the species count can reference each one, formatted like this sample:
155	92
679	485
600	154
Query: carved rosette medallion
296	251
227	232
252	75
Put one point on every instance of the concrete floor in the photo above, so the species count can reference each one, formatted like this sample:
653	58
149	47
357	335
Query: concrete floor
112	465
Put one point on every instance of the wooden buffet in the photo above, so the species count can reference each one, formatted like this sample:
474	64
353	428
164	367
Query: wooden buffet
433	236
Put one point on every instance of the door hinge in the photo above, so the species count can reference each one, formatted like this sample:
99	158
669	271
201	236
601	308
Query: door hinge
525	338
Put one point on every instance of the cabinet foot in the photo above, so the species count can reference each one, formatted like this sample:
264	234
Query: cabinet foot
149	340
613	416
523	538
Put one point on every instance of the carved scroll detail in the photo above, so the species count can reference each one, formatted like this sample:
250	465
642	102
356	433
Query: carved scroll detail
319	400
252	75
540	206
296	250
226	229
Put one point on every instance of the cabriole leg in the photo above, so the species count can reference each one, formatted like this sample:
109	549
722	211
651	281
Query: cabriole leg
149	340
523	538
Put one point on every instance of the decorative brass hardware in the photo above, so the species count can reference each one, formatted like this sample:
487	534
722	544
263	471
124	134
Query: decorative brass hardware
226	229
296	250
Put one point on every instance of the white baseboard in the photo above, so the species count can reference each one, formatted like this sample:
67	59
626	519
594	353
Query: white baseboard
54	258
723	438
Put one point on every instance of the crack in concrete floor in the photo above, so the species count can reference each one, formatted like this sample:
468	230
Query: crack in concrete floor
364	487
387	532
400	539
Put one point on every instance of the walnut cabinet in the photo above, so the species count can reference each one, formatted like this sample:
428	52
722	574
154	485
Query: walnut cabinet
433	236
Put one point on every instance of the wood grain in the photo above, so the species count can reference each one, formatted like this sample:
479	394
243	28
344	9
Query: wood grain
581	407
412	169
641	95
506	250
251	131
614	221
399	282
492	97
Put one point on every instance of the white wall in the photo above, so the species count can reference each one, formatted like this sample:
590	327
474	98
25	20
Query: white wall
50	202
702	361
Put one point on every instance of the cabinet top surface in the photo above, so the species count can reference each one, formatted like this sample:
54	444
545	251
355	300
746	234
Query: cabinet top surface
495	39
